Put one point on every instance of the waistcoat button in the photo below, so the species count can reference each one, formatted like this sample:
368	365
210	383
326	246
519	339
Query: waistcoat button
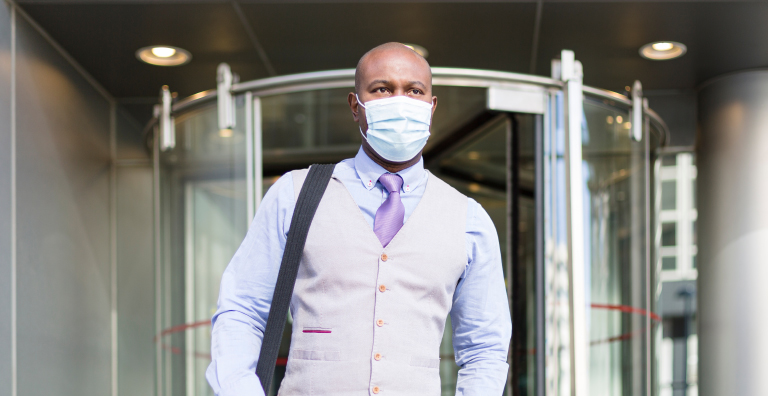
377	356
380	322
382	288
376	389
384	257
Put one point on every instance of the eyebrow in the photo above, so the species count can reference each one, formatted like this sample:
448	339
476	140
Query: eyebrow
419	83
387	82
374	82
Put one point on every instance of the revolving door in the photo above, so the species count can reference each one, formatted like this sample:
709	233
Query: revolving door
564	172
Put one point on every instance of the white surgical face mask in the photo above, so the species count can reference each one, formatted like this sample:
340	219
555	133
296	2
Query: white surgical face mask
398	126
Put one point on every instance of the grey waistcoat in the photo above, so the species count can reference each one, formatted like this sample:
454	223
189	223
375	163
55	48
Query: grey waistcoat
367	319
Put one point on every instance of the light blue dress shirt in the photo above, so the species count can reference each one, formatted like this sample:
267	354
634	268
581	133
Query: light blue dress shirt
480	336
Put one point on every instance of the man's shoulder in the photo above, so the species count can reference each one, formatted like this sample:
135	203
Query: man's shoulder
446	190
297	176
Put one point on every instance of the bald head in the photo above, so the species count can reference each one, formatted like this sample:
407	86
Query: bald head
390	52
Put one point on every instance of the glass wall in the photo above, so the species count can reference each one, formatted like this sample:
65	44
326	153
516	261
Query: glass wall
511	162
621	283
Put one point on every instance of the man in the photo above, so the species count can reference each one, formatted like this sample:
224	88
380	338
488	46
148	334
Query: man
392	251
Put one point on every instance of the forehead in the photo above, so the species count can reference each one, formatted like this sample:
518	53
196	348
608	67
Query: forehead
394	64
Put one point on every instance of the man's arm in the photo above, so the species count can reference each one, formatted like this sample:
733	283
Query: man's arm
246	295
482	325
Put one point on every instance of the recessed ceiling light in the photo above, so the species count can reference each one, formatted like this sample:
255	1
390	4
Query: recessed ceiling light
163	55
163	52
663	50
418	49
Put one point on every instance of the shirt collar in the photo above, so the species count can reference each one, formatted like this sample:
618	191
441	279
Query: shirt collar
369	172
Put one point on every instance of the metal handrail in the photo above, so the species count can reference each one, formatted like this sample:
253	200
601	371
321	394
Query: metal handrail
345	78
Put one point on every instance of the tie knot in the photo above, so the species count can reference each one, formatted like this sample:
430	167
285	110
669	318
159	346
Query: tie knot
391	182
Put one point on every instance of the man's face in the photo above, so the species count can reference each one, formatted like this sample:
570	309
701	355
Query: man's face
391	72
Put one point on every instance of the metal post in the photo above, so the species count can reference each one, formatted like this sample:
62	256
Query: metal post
167	128
512	224
571	74
540	252
158	258
249	165
258	158
637	111
226	101
649	289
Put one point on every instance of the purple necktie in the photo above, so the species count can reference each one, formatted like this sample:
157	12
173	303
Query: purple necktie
389	217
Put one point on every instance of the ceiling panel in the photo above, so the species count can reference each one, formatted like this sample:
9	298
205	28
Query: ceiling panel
104	39
721	37
103	36
306	37
296	37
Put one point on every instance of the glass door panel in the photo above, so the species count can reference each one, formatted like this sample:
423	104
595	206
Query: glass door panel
557	315
482	166
615	249
203	220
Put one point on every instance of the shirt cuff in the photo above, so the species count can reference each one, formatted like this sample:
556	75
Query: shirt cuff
240	384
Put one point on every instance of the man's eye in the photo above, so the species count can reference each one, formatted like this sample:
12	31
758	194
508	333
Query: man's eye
417	92
381	90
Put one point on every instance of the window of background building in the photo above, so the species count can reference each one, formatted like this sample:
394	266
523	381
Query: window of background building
669	195
668	263
668	234
677	216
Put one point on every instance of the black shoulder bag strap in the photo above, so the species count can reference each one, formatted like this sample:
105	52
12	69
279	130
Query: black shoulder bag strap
306	206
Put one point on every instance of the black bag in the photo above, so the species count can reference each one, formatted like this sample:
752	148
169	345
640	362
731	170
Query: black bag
306	206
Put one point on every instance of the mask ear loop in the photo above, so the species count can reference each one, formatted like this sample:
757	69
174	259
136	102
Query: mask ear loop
361	133
359	127
359	102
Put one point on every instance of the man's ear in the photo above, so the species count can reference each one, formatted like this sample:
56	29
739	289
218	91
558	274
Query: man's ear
354	106
434	105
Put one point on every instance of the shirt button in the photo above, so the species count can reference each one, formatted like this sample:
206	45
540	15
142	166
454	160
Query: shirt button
377	356
380	322
382	288
407	188
384	257
376	389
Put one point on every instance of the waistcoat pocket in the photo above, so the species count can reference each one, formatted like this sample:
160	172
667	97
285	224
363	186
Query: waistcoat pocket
303	354
417	361
319	330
